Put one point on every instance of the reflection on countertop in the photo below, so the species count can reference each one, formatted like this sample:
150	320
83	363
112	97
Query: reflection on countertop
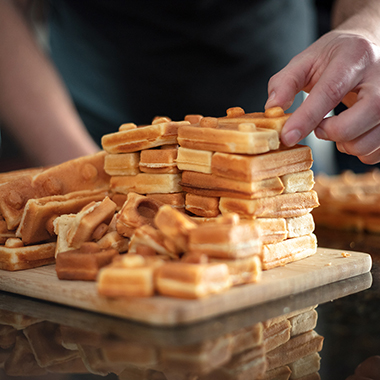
277	340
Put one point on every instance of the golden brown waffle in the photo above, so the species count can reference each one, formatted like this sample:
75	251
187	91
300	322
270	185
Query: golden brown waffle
186	280
161	132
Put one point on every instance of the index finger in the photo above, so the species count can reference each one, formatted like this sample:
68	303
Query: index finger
334	83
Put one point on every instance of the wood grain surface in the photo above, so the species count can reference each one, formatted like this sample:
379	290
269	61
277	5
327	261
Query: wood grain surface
325	267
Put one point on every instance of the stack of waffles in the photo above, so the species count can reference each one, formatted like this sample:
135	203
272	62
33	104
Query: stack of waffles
143	160
349	201
235	164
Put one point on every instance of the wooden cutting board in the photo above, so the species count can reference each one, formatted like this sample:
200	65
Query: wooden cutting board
326	266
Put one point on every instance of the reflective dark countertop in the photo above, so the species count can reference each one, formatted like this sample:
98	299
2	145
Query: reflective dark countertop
326	332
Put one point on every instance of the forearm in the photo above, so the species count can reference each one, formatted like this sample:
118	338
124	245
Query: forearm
34	104
358	16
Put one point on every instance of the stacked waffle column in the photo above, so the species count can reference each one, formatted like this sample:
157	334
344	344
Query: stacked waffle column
235	164
142	160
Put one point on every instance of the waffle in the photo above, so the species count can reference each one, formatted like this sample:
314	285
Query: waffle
132	275
36	224
161	132
262	166
26	257
146	183
202	206
210	185
186	280
122	164
280	206
194	160
83	263
349	201
226	240
288	251
159	161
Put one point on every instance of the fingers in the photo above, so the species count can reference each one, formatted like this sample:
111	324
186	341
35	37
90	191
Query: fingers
362	117
370	368
335	82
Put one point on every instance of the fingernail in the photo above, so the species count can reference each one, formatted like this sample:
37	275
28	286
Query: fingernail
271	97
291	138
321	134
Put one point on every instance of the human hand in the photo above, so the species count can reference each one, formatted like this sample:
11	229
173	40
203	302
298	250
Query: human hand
339	67
368	370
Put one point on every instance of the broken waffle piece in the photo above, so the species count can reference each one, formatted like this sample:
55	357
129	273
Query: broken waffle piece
257	167
87	220
186	280
130	276
154	238
138	210
161	132
175	226
36	224
26	257
83	263
146	183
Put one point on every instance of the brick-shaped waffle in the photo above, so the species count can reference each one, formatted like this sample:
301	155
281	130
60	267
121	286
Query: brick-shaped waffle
122	164
161	132
294	349
212	136
36	224
277	333
83	263
83	173
300	226
202	206
159	161
226	240
146	183
289	250
25	257
280	206
257	167
306	366
194	160
186	280
298	182
210	185
273	118
132	275
272	230
243	271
